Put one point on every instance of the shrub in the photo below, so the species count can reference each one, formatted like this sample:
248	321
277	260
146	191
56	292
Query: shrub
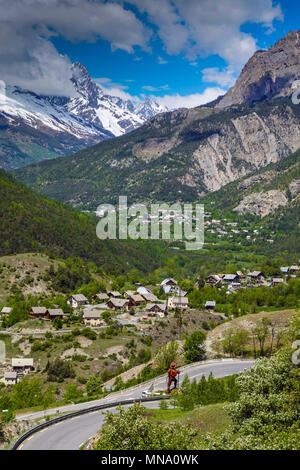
131	430
60	370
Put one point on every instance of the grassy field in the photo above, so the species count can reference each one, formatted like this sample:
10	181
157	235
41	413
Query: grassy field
210	418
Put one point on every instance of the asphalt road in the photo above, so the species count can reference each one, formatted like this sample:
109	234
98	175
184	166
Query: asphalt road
72	433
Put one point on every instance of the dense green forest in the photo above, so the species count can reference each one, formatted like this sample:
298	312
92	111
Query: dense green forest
32	223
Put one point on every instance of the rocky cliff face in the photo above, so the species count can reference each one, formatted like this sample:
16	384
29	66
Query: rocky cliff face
268	74
178	156
246	144
271	191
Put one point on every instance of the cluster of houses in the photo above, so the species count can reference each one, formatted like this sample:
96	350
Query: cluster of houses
141	299
235	281
252	279
224	229
39	312
19	368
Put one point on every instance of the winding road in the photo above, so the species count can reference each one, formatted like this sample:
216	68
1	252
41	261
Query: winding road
72	433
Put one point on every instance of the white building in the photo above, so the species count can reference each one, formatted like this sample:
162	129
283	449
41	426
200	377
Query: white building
178	302
77	300
10	378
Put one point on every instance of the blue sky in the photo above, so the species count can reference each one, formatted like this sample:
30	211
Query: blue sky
182	52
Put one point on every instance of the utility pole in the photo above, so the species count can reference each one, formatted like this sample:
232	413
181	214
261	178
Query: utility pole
179	320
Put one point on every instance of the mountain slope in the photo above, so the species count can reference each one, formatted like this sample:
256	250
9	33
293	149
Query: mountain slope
263	192
34	127
32	223
177	156
272	196
181	155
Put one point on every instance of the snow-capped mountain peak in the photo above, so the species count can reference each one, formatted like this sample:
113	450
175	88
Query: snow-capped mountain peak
113	113
63	124
149	108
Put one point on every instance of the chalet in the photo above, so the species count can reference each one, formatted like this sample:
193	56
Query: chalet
37	312
168	282
255	276
10	378
77	300
150	298
53	313
102	297
118	304
210	304
277	281
233	287
135	299
180	292
153	307
168	289
230	278
6	310
212	280
92	317
102	306
22	365
265	284
114	294
178	302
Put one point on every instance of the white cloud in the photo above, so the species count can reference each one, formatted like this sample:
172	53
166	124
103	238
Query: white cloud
192	27
224	77
189	101
28	58
116	89
161	60
202	28
153	88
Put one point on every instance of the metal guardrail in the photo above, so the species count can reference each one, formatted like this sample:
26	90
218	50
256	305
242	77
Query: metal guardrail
113	404
104	406
155	380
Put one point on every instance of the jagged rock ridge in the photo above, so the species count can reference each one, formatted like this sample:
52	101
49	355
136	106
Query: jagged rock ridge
268	74
35	127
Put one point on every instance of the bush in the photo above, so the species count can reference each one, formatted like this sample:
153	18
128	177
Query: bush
72	393
79	358
167	354
131	430
267	413
60	370
194	347
94	385
89	334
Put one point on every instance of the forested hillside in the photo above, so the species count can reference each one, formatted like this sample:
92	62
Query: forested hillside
32	223
176	156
